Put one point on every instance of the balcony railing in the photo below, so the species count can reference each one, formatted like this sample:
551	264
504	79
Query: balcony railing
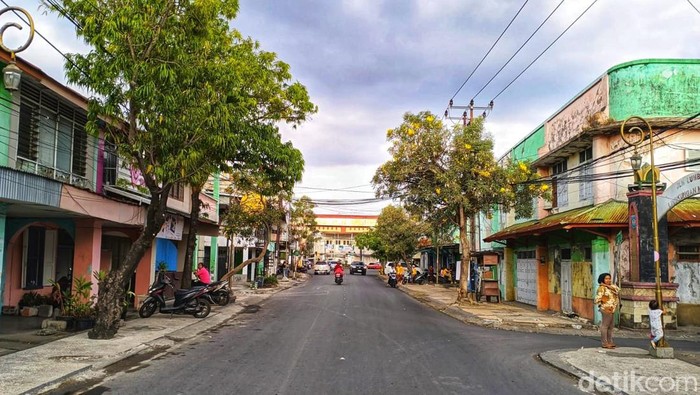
33	167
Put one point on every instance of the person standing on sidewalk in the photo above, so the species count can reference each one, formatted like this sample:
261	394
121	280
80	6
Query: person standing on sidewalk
607	299
657	330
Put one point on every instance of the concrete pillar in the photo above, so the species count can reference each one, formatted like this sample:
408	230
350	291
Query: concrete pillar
642	266
88	246
541	254
145	274
214	258
3	213
601	264
508	280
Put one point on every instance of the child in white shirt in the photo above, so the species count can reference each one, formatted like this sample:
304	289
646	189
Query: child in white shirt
657	330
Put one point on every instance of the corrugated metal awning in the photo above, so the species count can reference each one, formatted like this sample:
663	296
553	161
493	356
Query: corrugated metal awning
612	213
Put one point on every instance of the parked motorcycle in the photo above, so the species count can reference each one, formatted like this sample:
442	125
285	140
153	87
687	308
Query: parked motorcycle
220	293
421	278
392	280
338	278
187	301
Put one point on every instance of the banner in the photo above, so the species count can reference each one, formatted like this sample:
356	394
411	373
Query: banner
172	228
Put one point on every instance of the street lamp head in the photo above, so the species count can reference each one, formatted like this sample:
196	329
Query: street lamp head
11	73
636	161
12	76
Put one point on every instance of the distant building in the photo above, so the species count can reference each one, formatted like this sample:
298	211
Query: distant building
337	234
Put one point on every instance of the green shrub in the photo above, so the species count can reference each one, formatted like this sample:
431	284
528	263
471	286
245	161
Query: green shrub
270	281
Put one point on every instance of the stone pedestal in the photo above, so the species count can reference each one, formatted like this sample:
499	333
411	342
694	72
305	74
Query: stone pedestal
661	352
635	297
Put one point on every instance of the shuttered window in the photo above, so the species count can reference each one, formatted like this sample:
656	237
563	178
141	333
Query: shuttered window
52	140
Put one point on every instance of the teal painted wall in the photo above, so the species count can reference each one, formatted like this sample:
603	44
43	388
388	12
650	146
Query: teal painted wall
527	149
654	88
601	264
5	117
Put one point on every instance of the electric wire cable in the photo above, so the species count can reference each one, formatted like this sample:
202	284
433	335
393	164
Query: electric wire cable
693	5
490	49
545	50
519	49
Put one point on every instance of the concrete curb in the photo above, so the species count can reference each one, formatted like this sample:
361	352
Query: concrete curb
56	381
168	340
553	359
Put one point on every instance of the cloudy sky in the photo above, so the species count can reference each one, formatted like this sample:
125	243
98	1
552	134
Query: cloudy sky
367	62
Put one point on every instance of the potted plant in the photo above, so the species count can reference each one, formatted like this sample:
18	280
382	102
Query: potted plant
28	304
77	307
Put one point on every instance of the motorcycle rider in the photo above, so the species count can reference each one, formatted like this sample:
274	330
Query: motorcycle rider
338	269
389	269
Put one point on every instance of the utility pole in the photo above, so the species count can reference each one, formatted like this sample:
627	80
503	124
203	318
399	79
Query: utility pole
472	220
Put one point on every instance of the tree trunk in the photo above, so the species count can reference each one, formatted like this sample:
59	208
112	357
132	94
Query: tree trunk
110	292
245	263
186	281
466	252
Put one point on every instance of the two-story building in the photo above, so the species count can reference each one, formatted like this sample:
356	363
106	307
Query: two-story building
595	221
69	206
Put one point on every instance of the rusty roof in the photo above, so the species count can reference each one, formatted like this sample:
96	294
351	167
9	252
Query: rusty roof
612	213
686	213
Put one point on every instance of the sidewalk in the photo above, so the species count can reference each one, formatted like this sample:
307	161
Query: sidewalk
520	317
624	370
31	370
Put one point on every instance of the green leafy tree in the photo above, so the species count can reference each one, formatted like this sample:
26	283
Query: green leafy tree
398	233
371	241
303	225
263	191
451	174
159	73
258	92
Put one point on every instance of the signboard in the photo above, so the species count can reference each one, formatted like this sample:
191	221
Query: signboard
172	227
685	187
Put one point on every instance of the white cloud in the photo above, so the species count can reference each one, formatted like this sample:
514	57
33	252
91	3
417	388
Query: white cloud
366	62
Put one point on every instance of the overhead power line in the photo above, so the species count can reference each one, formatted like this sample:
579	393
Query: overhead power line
545	50
490	49
519	49
693	5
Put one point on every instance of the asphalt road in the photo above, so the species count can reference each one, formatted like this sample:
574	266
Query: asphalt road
358	338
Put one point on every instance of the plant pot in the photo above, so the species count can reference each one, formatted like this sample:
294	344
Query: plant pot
70	322
45	310
29	311
82	324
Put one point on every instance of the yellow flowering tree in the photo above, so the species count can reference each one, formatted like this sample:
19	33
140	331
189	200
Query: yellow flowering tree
442	173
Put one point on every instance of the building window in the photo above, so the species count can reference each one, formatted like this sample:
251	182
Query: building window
52	140
110	163
566	254
692	156
177	192
689	253
585	187
530	254
560	190
39	257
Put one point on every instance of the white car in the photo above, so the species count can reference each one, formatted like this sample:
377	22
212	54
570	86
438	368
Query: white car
322	268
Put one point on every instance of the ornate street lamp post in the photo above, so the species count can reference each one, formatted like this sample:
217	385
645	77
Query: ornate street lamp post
635	136
11	73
